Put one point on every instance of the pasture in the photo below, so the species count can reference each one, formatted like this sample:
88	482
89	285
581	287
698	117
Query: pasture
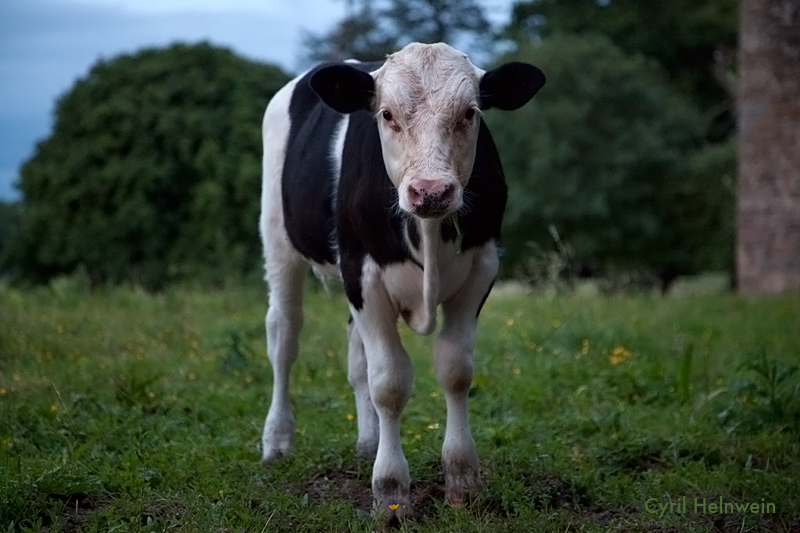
126	411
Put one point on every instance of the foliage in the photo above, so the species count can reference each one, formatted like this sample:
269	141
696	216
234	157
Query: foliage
151	173
704	208
600	154
693	41
376	28
10	213
360	35
767	396
126	411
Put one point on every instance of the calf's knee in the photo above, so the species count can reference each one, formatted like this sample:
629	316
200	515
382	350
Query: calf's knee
390	388
453	366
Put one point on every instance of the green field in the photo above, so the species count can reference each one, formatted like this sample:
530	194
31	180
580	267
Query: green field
125	411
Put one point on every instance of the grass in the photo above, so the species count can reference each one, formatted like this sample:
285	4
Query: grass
125	411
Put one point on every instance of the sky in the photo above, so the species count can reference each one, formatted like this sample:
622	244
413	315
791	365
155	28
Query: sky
46	45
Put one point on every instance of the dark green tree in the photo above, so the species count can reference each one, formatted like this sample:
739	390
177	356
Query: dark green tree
10	213
374	28
602	154
694	41
362	34
151	173
431	21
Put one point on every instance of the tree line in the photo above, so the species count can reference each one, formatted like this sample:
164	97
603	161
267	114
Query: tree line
626	158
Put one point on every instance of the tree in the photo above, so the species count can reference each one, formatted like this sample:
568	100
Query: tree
602	154
374	28
151	173
768	238
693	41
361	35
432	21
10	213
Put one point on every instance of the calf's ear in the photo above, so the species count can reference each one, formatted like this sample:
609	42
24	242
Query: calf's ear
343	88
510	86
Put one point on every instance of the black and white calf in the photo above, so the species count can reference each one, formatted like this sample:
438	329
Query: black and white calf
384	175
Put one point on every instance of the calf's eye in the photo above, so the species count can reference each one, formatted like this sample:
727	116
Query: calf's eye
470	114
387	115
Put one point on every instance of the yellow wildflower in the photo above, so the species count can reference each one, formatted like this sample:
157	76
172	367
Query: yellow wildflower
618	355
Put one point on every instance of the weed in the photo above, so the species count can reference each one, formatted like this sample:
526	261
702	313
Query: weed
683	382
768	395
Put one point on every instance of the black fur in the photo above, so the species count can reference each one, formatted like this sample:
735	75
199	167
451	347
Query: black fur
344	88
510	86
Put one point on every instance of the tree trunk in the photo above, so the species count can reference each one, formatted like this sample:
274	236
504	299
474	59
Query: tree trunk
768	225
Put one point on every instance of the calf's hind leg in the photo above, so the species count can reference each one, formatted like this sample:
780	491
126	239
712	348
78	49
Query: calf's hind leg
357	375
286	272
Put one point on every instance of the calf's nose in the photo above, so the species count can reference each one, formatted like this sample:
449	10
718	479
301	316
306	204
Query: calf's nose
421	191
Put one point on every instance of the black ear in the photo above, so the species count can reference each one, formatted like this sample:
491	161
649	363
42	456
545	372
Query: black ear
343	88
510	86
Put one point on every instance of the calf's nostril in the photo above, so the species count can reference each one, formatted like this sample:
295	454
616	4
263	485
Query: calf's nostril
449	192
415	195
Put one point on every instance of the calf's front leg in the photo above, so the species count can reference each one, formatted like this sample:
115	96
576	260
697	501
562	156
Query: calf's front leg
390	377
453	353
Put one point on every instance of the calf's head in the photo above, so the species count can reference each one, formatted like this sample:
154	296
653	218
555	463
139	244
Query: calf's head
427	101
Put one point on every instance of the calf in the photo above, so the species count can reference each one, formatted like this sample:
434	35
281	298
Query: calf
385	175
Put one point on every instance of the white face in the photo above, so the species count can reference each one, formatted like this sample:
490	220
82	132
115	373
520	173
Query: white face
428	120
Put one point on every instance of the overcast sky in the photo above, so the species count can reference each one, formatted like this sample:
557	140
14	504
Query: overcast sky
45	45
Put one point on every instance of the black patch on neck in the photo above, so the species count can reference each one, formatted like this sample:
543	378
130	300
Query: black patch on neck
413	232
449	232
367	219
484	196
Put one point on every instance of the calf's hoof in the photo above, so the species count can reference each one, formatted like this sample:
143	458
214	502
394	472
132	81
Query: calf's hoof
273	453
462	482
277	442
366	450
391	499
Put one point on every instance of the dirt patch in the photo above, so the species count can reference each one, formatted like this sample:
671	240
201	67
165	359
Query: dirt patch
348	485
74	508
336	484
549	491
635	460
545	490
165	511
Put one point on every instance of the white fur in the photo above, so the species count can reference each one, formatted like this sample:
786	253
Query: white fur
285	273
427	89
337	149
